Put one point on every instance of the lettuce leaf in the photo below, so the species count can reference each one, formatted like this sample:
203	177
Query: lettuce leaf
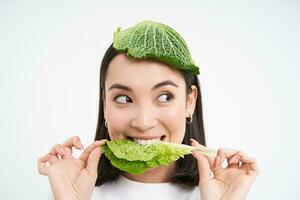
131	151
134	158
132	167
149	39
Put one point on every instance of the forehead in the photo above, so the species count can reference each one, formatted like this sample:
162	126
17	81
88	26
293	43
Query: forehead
130	71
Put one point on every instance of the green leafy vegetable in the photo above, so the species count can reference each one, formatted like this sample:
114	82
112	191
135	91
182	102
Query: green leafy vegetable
134	158
154	40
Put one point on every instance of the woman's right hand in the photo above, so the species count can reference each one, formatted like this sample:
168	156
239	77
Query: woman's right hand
71	178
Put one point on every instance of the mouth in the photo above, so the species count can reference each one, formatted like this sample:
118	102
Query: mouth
146	141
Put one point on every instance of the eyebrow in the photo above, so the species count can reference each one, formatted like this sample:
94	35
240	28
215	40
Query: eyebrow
158	85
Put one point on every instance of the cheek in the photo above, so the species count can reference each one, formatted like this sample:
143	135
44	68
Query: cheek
174	115
174	120
116	121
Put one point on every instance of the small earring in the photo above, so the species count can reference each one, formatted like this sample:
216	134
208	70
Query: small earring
189	119
105	124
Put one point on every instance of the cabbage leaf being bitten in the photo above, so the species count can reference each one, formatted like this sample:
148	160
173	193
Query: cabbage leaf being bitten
154	40
135	158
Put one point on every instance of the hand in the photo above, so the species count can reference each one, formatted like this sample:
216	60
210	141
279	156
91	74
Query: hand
232	182
69	177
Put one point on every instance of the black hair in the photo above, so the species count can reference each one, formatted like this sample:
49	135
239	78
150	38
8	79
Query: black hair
186	170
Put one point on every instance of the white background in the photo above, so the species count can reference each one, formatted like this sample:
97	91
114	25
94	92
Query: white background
248	53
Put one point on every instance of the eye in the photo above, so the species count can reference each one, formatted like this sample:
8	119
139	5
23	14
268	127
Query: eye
122	99
165	97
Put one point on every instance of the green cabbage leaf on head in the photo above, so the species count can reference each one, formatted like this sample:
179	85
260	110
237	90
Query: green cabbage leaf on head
154	40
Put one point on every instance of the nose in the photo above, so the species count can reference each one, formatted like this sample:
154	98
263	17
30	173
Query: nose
144	119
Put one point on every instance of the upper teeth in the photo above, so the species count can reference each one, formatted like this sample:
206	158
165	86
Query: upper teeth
145	142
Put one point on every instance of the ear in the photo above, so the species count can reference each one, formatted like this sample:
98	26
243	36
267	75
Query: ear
191	101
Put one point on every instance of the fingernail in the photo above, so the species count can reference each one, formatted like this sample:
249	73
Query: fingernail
192	140
59	153
232	160
80	145
237	159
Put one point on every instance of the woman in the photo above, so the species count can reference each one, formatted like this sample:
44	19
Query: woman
149	91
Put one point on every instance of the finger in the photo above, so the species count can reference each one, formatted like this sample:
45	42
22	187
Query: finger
225	154
210	159
53	160
68	153
222	154
249	165
42	167
239	158
203	164
93	160
73	142
84	156
55	150
234	161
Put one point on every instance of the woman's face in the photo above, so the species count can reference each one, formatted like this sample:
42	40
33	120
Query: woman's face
146	100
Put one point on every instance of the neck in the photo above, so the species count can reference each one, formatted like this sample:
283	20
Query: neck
155	175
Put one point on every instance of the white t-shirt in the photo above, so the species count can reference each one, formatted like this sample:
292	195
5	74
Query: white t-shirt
126	189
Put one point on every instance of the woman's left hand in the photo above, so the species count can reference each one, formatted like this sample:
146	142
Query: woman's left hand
232	182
